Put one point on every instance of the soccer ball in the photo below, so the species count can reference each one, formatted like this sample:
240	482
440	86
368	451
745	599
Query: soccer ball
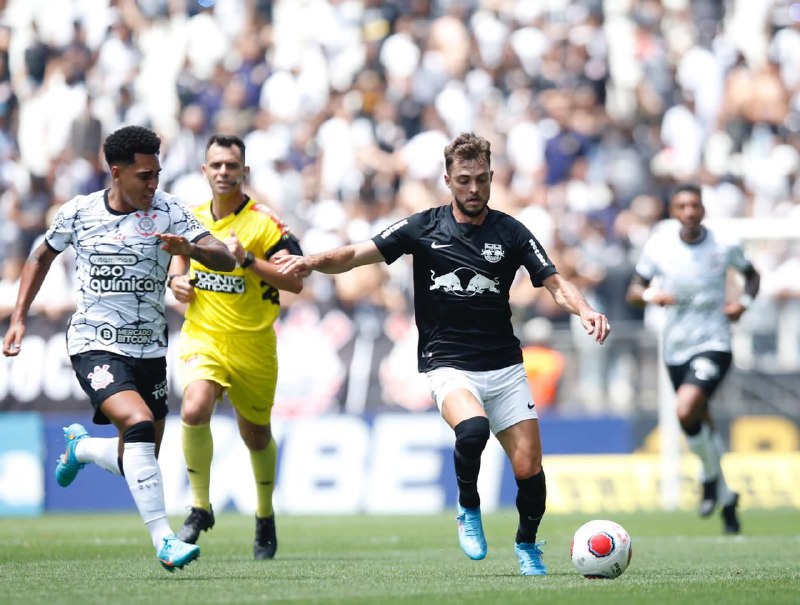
601	549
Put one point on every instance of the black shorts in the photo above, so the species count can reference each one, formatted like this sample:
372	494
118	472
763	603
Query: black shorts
103	374
705	370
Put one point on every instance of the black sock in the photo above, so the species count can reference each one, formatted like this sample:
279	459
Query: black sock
693	429
471	437
531	497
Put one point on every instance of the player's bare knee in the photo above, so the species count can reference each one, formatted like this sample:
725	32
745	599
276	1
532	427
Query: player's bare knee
256	443
526	468
199	398
134	417
688	416
195	415
196	409
256	438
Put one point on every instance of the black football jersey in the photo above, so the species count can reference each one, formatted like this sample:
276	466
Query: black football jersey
462	276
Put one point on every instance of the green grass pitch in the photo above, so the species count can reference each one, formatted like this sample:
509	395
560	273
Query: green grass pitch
677	559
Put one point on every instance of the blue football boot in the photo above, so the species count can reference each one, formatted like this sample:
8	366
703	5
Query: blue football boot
470	532
68	465
175	554
530	558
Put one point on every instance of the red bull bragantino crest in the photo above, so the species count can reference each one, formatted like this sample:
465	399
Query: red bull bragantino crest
493	252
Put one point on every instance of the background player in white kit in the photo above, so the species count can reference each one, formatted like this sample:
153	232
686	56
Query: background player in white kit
124	238
690	263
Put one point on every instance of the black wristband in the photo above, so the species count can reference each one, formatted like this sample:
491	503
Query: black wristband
249	259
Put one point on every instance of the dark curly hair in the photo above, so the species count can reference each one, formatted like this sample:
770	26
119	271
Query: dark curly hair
687	188
467	146
121	145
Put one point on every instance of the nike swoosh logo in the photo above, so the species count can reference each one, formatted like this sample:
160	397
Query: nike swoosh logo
530	406
147	478
436	245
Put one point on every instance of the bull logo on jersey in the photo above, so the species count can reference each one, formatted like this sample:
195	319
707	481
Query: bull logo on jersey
453	282
101	377
145	223
493	252
479	284
449	282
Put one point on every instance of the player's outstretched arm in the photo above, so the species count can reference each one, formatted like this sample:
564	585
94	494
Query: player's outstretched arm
337	260
734	310
208	250
270	272
266	269
640	292
33	274
569	298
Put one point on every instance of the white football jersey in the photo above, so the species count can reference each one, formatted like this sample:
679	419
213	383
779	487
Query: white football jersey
121	271
695	274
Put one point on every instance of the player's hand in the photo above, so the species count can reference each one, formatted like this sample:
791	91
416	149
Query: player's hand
183	288
13	339
734	310
293	264
596	324
176	245
661	298
235	247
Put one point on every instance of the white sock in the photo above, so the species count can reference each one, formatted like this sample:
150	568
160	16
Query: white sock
102	451
724	493
144	482
703	446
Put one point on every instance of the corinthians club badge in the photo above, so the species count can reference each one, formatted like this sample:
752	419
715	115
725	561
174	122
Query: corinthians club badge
145	223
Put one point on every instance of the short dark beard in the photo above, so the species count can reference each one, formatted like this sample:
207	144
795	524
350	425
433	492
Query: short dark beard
467	212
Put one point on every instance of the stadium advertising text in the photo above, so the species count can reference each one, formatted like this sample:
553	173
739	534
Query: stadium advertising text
390	463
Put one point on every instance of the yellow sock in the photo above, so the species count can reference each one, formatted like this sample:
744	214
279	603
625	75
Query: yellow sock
264	463
198	449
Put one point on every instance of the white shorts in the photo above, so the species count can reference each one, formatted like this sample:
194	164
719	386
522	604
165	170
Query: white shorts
504	394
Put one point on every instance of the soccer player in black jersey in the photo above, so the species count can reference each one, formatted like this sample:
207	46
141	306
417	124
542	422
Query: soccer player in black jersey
465	258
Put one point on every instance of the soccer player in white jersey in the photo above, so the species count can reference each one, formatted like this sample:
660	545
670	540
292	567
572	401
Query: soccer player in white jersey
688	266
124	238
466	256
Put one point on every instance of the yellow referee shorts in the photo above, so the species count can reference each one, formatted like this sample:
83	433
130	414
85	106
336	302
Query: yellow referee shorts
245	365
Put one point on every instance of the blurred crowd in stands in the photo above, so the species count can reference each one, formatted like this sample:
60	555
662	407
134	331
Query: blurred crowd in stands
595	109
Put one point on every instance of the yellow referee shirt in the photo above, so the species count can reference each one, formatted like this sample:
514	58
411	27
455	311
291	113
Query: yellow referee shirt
239	300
